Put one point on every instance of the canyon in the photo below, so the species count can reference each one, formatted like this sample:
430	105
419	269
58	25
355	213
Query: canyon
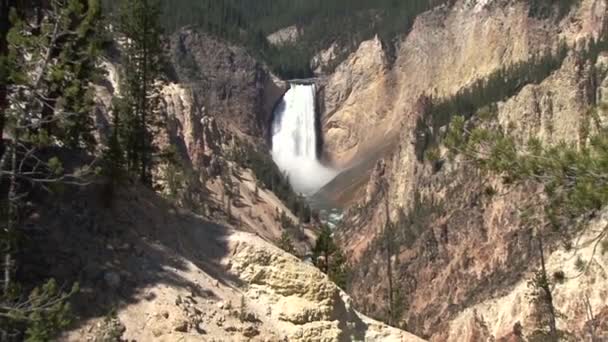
458	249
198	258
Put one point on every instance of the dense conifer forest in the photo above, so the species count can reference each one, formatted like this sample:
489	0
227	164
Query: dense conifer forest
322	23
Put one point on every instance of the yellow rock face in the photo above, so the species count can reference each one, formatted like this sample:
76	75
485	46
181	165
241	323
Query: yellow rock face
301	301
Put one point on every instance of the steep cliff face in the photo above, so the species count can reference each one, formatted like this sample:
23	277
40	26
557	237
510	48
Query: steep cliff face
357	89
197	263
226	82
446	50
581	298
458	244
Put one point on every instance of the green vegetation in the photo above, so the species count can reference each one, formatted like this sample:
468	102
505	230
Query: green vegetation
329	258
545	8
480	98
484	93
573	179
574	185
138	23
323	22
286	244
48	66
53	313
270	177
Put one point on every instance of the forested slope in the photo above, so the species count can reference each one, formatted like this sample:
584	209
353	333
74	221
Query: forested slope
322	23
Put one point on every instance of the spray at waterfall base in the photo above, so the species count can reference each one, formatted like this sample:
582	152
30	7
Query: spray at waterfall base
295	140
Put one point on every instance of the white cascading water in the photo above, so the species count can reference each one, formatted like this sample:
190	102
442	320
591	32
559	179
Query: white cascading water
294	140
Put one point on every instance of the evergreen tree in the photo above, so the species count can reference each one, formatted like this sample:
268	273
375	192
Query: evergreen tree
113	166
247	22
389	246
574	181
541	295
256	193
47	68
138	22
4	67
71	91
328	257
286	244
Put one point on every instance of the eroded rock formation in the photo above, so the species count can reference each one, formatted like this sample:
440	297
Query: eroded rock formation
458	245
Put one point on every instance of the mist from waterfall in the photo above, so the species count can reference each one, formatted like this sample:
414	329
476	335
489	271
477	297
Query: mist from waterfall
294	140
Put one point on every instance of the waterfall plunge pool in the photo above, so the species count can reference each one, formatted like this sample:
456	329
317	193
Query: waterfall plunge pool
295	141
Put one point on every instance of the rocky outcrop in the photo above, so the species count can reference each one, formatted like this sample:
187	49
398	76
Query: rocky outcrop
323	61
184	278
558	108
287	35
301	300
178	275
226	82
196	135
582	295
354	94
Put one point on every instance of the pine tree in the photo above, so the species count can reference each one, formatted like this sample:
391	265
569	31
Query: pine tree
47	69
138	22
72	92
575	189
542	299
286	244
5	25
256	193
328	257
389	242
113	158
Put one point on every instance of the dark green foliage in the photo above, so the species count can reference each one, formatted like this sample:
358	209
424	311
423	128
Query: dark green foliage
575	187
328	257
72	77
547	8
286	244
48	66
480	98
347	22
53	315
65	85
46	313
113	162
138	22
541	298
184	185
270	177
574	180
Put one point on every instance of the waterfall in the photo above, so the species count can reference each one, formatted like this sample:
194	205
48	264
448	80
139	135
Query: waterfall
294	140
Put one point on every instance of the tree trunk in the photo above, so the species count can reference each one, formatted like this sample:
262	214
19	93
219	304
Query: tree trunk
326	262
144	102
4	28
548	295
10	229
389	269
